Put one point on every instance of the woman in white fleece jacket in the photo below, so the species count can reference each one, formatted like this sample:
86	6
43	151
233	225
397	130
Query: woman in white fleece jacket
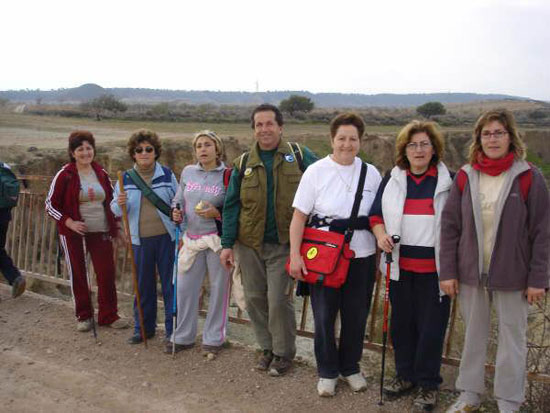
409	203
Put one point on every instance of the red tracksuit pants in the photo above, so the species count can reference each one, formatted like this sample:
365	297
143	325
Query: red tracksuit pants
100	247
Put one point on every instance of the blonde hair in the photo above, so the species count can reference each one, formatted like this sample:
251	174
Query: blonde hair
506	119
218	143
404	137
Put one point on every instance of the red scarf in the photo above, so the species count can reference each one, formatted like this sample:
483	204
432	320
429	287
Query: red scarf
493	167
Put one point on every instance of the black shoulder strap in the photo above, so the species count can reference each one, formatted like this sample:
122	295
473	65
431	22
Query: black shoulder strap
242	165
148	192
298	155
356	202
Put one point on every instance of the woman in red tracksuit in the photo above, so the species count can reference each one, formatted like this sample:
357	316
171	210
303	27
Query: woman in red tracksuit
78	200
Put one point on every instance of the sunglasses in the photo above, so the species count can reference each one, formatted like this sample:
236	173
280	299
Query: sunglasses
148	149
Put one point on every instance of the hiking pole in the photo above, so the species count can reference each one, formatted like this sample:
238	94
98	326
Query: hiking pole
389	260
175	286
89	282
132	259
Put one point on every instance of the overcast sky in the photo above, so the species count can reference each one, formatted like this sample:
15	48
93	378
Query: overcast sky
420	46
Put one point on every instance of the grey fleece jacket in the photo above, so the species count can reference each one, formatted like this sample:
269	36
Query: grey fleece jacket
521	250
196	185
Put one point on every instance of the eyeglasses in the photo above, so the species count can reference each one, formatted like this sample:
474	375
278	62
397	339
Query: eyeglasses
147	149
498	134
413	146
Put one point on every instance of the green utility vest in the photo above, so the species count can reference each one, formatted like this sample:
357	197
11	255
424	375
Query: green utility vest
286	177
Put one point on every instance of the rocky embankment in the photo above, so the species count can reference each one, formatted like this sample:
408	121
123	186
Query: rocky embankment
177	154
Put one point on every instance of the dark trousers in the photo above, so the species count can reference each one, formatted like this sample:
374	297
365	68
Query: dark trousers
352	300
7	268
418	322
100	247
154	253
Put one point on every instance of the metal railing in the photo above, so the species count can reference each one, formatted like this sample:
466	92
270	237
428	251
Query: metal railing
32	243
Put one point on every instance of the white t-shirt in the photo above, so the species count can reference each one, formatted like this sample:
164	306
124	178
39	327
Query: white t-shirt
327	189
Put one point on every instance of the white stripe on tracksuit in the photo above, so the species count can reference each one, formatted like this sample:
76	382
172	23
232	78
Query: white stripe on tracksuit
54	213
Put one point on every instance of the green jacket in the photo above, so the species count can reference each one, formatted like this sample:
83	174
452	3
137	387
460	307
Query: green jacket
245	206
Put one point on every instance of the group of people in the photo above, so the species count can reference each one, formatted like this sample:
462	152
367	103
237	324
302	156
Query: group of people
482	235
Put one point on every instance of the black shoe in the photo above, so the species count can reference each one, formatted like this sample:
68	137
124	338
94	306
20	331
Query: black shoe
425	400
265	360
169	346
279	366
18	286
136	338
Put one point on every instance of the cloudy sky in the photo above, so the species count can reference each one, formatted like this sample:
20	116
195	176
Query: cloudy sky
484	46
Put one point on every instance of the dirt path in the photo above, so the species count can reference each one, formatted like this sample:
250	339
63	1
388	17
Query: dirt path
46	366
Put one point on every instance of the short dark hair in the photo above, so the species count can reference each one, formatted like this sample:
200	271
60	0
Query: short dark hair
266	107
77	138
144	135
348	118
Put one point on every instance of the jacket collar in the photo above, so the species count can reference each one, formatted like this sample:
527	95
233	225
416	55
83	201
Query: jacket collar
220	167
444	180
254	157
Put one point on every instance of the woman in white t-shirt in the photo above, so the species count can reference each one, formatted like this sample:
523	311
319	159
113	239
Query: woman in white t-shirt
324	199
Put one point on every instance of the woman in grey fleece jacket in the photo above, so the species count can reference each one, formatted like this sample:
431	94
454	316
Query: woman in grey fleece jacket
495	242
201	195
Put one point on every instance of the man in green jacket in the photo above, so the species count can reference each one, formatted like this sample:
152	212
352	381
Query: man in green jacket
257	213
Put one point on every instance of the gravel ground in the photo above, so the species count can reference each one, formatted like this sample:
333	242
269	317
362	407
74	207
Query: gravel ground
47	366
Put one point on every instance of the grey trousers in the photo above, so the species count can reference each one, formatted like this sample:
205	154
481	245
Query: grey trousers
268	294
189	285
512	309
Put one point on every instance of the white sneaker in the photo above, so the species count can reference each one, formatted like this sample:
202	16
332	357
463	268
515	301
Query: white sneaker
356	381
85	325
462	407
326	387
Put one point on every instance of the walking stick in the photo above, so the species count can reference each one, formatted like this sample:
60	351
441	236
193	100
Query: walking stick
175	293
134	270
89	281
389	260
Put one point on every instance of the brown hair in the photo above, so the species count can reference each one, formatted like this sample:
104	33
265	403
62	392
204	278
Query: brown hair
144	135
404	137
348	118
77	138
506	118
218	143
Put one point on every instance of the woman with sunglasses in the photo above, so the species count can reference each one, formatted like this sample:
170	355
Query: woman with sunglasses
201	195
409	204
495	238
151	230
78	200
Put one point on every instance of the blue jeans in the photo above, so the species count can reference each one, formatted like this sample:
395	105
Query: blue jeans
154	253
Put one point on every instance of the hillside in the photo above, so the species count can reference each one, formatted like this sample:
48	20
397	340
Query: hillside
323	100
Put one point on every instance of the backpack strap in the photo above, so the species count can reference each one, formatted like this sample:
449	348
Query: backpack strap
242	164
298	154
227	177
525	180
148	192
461	179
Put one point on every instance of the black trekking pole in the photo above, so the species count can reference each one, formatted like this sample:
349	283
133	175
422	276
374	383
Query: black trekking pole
175	287
389	260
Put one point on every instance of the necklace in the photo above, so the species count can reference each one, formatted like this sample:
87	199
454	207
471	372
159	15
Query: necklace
348	186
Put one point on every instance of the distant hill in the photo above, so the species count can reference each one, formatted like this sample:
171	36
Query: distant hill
138	95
